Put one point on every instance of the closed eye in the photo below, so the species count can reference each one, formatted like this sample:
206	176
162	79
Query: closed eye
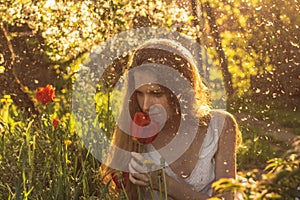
139	93
157	93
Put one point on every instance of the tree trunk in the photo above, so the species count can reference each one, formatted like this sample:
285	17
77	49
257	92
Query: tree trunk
227	77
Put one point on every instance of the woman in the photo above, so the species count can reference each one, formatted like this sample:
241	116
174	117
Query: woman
192	144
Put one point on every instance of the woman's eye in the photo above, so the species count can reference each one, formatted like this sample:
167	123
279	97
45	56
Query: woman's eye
158	94
139	93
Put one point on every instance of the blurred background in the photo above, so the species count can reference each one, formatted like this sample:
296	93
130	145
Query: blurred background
254	44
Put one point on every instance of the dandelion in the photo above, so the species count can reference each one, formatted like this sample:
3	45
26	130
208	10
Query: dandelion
45	95
67	143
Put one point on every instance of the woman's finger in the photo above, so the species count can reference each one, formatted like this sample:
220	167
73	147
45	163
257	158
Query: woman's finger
141	176
138	158
141	164
138	178
137	181
138	166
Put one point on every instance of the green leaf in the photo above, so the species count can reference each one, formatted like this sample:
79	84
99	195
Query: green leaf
105	189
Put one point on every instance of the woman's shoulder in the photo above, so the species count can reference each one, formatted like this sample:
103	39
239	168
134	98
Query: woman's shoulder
223	114
224	119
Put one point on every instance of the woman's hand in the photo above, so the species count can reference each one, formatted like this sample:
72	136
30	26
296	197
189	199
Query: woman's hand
144	172
139	175
138	170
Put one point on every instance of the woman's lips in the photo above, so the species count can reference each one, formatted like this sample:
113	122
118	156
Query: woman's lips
158	113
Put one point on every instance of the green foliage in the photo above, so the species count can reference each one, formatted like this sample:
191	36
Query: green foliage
38	161
257	37
257	148
108	107
272	112
280	182
72	27
41	161
266	129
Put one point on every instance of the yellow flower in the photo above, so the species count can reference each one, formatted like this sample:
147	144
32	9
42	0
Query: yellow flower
68	162
67	142
6	99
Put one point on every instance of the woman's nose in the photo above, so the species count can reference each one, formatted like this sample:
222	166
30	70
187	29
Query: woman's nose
147	103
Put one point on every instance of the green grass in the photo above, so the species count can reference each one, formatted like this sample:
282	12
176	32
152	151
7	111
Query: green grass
36	162
275	111
39	161
257	148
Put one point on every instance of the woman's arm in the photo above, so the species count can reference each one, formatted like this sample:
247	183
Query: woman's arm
226	155
225	159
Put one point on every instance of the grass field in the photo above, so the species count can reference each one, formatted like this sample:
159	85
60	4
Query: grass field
42	157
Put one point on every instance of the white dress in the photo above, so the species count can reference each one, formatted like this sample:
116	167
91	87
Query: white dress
203	175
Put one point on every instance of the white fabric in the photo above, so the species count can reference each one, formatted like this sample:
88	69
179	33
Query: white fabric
203	174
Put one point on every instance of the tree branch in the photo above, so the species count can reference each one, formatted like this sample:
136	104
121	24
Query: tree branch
12	70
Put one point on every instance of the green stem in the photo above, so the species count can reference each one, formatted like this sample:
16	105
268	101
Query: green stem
162	164
165	184
159	185
124	192
151	187
139	193
138	187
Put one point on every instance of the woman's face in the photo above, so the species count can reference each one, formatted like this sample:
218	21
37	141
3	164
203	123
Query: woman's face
152	98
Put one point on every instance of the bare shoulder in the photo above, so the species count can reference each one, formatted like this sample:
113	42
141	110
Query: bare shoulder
229	127
229	118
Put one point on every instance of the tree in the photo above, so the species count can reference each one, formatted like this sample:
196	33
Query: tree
260	40
44	37
214	31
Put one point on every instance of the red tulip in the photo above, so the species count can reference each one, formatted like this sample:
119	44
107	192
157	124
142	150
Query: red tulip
45	95
55	122
140	132
116	176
